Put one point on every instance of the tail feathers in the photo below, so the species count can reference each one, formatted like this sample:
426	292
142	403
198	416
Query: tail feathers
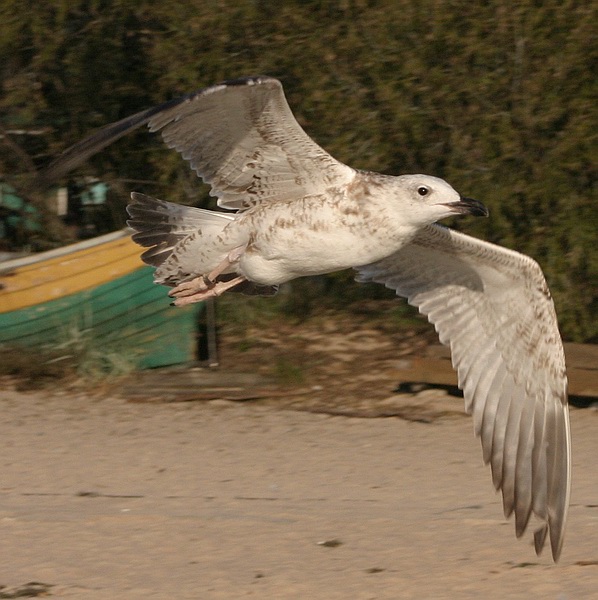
180	242
161	225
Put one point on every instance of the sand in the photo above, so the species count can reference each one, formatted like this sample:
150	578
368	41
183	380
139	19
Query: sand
101	498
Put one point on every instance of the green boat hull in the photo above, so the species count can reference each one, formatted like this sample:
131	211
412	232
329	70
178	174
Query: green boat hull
128	316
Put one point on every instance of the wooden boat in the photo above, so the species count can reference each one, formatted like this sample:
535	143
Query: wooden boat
95	293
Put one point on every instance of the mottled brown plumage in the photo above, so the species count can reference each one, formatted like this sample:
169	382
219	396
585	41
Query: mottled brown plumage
301	212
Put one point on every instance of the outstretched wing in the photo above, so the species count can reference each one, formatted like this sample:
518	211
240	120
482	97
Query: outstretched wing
493	308
239	136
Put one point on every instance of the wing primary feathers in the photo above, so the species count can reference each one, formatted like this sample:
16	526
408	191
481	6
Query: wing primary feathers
539	461
474	397
558	495
489	305
490	411
499	426
523	490
510	449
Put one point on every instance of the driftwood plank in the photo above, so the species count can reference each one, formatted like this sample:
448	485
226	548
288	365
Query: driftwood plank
435	367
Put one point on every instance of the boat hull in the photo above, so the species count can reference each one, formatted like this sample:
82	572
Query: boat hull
96	295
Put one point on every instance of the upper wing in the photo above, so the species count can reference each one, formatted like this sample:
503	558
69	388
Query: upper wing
493	307
239	136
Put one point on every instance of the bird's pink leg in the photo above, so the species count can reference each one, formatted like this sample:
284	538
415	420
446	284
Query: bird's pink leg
205	286
216	290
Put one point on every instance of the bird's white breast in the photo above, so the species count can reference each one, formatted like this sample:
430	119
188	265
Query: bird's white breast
316	235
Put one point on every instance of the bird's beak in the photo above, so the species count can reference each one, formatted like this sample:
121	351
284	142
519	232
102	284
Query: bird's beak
469	206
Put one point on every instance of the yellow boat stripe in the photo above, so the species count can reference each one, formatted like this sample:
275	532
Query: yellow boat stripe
72	272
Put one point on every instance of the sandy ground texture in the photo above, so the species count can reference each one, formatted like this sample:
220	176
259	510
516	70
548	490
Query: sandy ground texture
107	499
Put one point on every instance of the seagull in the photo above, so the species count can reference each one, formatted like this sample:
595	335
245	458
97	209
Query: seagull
297	211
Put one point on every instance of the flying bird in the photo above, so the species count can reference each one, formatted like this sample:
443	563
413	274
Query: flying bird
297	211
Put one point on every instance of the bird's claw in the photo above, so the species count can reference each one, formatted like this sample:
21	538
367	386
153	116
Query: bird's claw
189	296
187	288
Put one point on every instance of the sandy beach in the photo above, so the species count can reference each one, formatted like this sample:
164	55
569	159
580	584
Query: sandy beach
103	498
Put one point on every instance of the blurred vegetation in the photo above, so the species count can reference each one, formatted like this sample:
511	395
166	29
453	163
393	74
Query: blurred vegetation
76	356
499	98
45	369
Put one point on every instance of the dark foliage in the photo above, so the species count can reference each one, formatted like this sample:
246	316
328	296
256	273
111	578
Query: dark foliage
498	98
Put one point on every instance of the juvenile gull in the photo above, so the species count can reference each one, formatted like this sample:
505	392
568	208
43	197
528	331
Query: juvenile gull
298	212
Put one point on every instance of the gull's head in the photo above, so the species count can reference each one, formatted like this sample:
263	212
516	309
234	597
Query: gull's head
430	199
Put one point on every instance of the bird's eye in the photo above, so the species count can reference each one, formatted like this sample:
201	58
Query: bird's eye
423	190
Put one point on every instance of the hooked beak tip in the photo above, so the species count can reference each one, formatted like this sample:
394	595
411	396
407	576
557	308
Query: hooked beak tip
469	206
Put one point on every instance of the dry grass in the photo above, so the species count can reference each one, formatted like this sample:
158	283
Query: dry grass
35	368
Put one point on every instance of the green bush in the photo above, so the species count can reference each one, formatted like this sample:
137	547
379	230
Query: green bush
498	98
